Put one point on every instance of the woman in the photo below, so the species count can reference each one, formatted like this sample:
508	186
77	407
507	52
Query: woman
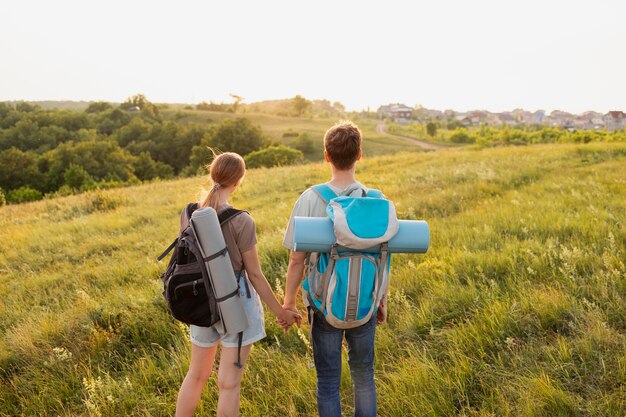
227	171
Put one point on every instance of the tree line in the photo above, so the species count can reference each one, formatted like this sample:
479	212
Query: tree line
62	152
504	135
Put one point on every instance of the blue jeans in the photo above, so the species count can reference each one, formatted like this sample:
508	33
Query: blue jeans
327	342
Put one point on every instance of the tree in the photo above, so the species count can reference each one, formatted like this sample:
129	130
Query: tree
431	129
273	156
300	105
18	169
136	130
201	155
147	168
103	160
304	143
339	107
237	135
109	121
138	100
75	176
24	135
98	107
238	100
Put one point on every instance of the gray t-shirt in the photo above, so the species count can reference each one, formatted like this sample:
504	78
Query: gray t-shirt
310	204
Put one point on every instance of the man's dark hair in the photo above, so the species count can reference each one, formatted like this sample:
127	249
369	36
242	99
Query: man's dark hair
343	143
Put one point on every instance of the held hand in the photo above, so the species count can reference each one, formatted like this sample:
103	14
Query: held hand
381	314
288	317
293	309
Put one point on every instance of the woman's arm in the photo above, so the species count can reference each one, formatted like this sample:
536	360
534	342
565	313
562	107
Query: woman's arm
260	284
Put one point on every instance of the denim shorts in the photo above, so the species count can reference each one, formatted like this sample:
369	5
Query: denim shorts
209	336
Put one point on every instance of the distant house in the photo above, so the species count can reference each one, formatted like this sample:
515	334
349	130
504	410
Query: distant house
582	124
538	116
399	113
432	114
615	120
507	119
598	123
134	109
448	114
463	119
522	116
590	115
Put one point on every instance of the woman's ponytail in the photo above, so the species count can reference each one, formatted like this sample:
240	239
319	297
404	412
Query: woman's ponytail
227	169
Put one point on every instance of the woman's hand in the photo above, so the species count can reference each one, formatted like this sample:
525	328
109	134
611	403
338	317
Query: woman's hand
287	317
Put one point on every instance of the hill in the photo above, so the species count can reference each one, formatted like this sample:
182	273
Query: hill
287	130
517	309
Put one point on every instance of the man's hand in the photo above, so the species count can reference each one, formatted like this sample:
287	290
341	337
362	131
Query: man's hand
288	317
293	313
381	314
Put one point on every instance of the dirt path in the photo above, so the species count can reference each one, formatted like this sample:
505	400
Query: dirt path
380	128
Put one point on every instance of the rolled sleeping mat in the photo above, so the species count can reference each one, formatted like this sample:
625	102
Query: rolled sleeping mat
206	227
315	234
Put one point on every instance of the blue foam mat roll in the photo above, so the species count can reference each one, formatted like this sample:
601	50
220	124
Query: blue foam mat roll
315	234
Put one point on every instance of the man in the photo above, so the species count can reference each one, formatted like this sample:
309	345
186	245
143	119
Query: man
342	149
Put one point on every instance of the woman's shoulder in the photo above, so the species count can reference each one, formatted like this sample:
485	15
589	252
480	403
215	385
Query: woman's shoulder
242	220
246	217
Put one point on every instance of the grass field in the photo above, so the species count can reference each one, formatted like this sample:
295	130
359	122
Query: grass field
518	309
274	127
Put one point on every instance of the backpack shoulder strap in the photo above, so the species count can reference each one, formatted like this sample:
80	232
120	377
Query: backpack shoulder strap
185	215
325	192
374	193
229	214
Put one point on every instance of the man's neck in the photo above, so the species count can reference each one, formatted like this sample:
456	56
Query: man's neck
342	179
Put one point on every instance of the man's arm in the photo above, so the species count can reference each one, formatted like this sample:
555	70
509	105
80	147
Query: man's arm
295	276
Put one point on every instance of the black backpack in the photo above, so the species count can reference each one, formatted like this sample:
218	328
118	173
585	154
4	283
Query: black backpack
186	285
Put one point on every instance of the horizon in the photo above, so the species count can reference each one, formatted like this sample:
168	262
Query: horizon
358	54
373	109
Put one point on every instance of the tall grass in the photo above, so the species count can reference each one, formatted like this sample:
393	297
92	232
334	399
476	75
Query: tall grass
518	309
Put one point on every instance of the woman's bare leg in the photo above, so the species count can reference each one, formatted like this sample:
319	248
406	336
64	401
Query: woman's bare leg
197	376
229	381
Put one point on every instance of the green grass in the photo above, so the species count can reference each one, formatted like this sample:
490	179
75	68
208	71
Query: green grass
274	127
518	309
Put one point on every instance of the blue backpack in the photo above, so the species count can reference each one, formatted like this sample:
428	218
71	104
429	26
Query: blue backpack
347	284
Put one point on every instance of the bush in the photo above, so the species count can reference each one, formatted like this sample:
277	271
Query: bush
431	129
273	156
23	195
101	201
290	134
3	200
461	136
304	144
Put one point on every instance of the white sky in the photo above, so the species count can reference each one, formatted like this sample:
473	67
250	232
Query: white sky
494	55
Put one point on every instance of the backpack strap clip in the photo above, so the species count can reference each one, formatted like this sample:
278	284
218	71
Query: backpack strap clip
217	254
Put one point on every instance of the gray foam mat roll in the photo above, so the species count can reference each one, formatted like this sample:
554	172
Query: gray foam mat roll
208	232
